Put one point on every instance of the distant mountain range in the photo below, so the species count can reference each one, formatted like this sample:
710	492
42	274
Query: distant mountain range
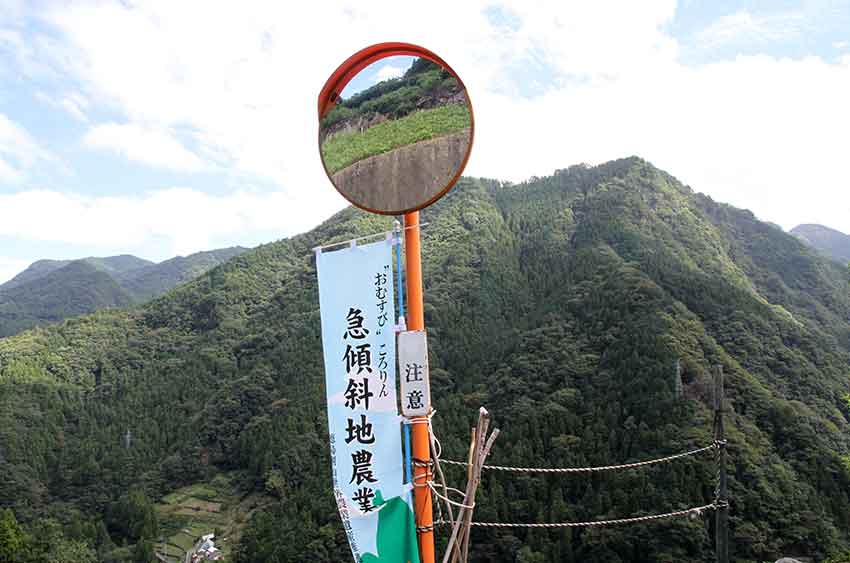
52	290
829	242
112	265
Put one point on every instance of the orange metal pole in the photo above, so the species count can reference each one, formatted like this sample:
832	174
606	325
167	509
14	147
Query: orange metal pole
421	441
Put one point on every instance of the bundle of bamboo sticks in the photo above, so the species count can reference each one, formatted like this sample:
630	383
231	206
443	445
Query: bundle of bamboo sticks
457	550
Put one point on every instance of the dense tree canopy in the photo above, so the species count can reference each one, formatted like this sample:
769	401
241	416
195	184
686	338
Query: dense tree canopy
53	290
563	304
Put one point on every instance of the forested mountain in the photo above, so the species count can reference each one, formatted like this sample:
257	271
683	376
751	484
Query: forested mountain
112	265
830	242
562	304
69	291
52	290
155	279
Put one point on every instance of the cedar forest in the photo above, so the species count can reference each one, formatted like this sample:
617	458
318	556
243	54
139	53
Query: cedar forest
562	304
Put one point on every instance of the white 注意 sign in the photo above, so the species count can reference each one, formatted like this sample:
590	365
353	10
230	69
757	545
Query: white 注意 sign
413	373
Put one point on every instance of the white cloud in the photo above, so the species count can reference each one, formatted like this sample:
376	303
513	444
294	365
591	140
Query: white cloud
7	172
74	103
246	78
756	131
146	145
72	107
189	219
18	151
752	28
11	10
389	71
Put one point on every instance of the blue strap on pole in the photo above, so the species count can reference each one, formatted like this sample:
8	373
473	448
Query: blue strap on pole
400	271
408	465
408	461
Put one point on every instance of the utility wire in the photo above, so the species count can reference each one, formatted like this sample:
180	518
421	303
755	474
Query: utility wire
714	446
718	445
597	523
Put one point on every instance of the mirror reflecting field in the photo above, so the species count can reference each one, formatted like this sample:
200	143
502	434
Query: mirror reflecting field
398	136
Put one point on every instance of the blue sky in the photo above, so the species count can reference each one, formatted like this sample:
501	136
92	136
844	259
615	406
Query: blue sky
726	29
385	69
144	127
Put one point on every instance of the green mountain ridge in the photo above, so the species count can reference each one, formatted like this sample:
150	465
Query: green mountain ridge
562	304
69	291
830	242
155	279
111	264
52	290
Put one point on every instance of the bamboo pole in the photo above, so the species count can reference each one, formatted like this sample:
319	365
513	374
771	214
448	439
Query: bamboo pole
480	445
452	550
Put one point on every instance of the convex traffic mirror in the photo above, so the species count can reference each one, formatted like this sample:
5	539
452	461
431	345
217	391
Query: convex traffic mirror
395	128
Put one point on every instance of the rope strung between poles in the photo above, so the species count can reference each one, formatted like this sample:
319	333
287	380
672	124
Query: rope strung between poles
447	499
436	451
595	523
457	550
714	446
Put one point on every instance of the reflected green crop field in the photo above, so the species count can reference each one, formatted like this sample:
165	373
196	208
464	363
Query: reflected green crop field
343	150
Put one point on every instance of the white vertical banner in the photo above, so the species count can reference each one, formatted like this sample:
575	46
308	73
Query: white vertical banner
358	341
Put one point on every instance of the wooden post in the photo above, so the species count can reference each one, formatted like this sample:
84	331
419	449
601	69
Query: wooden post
722	514
457	550
421	436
